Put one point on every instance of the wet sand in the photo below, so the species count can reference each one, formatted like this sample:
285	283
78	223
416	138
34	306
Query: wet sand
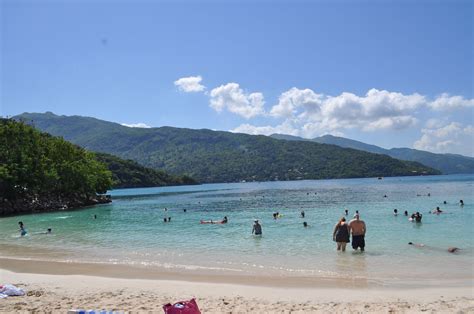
54	286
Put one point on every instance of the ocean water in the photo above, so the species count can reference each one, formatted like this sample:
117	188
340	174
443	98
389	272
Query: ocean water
131	230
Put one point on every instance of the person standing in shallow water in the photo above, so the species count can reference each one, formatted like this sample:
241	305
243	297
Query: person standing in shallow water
341	234
358	230
22	229
257	228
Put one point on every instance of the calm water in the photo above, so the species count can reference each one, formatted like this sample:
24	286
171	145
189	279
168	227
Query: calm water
131	229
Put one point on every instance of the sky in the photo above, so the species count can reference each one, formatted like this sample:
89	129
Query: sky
388	73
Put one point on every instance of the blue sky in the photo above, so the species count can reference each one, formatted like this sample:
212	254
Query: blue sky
389	73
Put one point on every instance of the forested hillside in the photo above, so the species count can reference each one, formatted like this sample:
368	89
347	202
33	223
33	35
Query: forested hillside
42	172
129	174
446	163
211	156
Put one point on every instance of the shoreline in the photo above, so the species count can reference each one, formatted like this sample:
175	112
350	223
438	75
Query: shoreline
132	272
58	293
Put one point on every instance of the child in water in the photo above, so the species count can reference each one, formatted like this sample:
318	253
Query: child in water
22	230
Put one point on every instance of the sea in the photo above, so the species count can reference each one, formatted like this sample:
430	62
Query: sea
131	230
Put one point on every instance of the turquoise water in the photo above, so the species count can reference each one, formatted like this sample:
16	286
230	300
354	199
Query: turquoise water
131	229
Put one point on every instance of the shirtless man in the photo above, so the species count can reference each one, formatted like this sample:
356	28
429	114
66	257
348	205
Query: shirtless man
358	230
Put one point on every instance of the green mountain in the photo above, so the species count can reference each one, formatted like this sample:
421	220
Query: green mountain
446	163
211	156
129	174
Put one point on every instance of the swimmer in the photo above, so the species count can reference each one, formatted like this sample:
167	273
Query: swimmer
461	203
305	224
257	228
437	211
302	214
346	212
95	216
48	231
22	229
224	221
445	203
406	213
416	244
395	212
418	217
451	249
184	210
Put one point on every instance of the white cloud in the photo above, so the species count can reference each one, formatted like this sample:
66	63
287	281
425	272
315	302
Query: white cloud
451	138
190	84
137	125
285	128
231	97
446	102
318	113
295	98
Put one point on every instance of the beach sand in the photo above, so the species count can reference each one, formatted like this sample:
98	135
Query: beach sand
51	289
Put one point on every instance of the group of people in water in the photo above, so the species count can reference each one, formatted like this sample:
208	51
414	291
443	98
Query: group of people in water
342	232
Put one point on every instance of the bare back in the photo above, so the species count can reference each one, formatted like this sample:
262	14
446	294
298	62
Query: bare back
357	227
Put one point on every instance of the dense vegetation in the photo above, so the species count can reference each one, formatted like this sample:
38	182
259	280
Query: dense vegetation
34	163
446	163
128	174
211	156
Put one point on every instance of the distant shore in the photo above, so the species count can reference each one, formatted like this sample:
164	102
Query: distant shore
52	288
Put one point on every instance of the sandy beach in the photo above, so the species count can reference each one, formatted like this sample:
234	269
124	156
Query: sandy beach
51	289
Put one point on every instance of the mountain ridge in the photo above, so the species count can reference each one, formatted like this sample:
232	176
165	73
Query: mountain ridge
218	156
446	163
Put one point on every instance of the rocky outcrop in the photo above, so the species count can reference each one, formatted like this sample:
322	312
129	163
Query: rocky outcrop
47	203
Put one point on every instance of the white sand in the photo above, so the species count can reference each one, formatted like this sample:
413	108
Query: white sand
59	293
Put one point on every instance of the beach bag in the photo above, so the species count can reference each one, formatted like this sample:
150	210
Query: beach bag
182	307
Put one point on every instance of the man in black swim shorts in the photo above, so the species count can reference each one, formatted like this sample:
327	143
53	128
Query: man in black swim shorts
358	230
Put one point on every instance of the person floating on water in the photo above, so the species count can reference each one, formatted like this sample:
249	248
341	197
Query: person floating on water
223	221
358	230
22	229
341	234
437	211
451	249
257	228
445	202
302	214
184	210
346	212
395	212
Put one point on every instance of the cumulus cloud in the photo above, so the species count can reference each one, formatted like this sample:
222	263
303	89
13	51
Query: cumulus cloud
447	102
295	98
453	137
231	97
136	125
190	84
319	113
